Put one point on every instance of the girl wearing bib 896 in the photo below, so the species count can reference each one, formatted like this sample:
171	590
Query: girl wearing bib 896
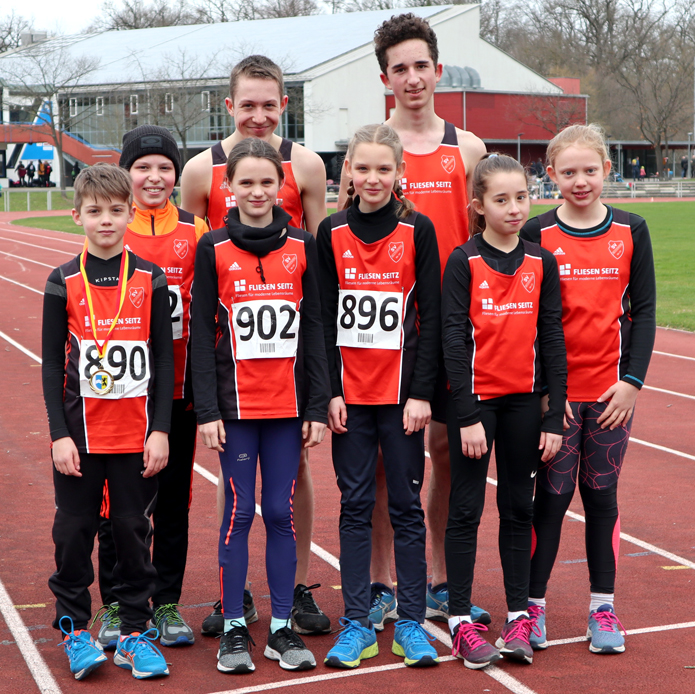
260	382
380	300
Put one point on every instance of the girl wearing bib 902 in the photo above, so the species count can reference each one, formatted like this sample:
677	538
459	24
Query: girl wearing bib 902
260	382
380	300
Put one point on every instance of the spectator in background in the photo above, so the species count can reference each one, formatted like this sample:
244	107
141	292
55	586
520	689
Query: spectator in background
684	166
75	171
21	172
642	173
42	173
31	172
47	176
635	169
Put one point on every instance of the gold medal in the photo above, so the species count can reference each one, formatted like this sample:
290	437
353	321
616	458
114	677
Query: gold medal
101	382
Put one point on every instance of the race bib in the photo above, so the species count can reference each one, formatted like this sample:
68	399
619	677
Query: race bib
176	307
265	329
370	319
125	360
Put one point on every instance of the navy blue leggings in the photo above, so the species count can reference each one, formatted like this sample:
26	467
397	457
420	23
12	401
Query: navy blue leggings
278	444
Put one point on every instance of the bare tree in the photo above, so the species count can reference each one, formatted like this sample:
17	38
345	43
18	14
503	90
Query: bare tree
550	112
11	28
138	14
288	8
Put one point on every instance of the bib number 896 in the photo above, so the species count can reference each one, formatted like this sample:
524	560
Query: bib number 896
370	319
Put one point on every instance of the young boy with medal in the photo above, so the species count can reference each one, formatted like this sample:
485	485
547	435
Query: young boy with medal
106	333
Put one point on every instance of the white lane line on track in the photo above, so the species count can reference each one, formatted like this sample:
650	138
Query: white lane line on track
672	451
4	228
28	260
36	664
629	632
670	392
675	356
33	245
21	348
19	284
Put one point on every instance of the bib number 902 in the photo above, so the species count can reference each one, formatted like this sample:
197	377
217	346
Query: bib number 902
265	329
370	319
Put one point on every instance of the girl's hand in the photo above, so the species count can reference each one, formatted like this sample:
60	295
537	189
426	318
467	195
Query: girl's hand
473	440
156	453
622	396
550	445
313	433
213	435
416	415
545	405
337	415
65	457
568	415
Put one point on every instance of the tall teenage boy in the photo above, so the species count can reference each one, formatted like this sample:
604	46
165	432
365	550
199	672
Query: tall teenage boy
257	101
108	381
166	236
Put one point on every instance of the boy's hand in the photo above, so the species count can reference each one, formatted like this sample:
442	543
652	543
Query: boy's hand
473	440
337	415
550	445
156	453
622	396
65	457
416	415
213	435
313	433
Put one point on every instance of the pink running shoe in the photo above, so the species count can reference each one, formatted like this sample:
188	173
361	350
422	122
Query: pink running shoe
472	648
515	639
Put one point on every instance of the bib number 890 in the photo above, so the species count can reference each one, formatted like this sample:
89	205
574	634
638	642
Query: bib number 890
370	319
126	360
265	329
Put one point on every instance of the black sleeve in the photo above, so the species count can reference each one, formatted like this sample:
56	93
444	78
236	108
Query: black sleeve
551	340
642	303
329	287
428	282
54	335
315	362
203	332
456	302
531	231
162	352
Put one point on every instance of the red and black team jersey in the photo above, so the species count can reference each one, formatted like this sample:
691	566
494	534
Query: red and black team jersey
174	252
119	421
220	198
377	330
436	184
503	334
594	280
257	346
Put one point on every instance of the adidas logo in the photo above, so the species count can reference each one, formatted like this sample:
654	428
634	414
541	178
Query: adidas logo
484	285
81	302
558	251
234	266
347	254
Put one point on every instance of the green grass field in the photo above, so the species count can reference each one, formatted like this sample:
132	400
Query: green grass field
673	238
38	200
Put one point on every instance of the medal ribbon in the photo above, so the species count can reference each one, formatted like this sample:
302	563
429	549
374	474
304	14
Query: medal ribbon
122	283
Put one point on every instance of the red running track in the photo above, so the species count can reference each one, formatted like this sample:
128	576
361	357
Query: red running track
655	579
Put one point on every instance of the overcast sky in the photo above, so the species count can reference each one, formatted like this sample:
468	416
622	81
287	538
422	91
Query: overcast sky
60	16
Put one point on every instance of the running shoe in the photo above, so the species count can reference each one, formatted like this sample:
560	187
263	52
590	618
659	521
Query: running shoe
213	624
438	606
84	654
307	617
383	606
538	638
604	631
289	650
471	647
514	640
138	654
235	650
412	642
352	645
110	629
171	626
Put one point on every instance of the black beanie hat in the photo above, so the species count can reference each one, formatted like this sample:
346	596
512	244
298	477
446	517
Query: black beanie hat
149	139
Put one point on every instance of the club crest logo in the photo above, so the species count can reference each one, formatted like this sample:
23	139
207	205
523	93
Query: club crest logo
136	296
396	250
289	261
616	249
528	281
448	163
181	248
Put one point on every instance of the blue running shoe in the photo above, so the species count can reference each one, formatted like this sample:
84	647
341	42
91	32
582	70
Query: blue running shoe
84	654
413	642
438	606
383	606
138	653
538	638
604	631
352	645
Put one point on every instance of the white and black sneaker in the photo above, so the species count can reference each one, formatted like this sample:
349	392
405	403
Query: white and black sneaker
289	650
307	616
235	650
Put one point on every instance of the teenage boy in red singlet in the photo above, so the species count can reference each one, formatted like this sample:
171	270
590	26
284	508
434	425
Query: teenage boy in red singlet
435	152
257	101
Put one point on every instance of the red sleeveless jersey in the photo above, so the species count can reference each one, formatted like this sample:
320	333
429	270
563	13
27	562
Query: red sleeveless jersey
503	334
594	280
377	313
436	184
258	349
220	198
175	254
117	422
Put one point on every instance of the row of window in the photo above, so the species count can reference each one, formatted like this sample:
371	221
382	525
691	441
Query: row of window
134	107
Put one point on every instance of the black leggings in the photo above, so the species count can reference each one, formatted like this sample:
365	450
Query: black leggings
513	422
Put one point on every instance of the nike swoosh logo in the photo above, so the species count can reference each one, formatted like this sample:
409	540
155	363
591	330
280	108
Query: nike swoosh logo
533	474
